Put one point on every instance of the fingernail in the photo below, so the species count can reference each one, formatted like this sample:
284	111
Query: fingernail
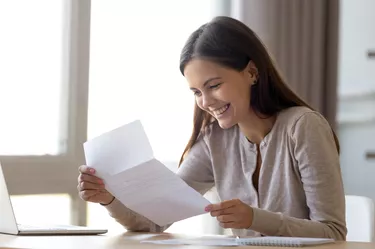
92	171
207	209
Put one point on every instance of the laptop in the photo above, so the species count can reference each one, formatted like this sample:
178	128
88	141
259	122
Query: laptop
9	225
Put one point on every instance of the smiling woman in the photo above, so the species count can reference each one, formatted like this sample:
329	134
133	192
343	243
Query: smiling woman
273	159
244	110
223	96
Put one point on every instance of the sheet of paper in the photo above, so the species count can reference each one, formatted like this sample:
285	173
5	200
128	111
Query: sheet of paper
119	149
199	241
123	158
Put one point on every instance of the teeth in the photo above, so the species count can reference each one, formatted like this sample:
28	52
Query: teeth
221	110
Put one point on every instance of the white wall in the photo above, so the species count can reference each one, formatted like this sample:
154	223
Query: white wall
357	36
356	108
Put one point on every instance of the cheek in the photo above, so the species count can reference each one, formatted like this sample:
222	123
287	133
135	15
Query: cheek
242	100
198	101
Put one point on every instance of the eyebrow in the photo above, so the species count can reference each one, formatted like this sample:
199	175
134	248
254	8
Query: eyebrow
208	81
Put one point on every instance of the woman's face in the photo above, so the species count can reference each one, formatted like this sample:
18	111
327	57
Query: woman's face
222	92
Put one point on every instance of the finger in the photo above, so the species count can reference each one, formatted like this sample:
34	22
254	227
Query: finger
222	205
89	186
102	191
87	194
89	178
86	170
228	211
226	218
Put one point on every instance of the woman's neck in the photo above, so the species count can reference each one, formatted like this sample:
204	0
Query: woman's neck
256	127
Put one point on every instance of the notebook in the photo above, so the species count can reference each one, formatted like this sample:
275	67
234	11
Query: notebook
258	241
283	241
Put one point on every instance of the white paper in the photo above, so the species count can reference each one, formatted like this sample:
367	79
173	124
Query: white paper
123	158
119	149
256	241
200	241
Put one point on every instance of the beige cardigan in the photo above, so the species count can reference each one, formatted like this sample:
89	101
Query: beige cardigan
300	190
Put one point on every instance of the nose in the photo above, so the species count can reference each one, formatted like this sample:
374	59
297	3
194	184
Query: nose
206	100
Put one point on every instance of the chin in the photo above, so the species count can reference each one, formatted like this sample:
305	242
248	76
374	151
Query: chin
226	124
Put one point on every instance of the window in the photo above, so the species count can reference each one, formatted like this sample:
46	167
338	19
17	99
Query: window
45	51
45	209
97	216
31	77
134	74
43	101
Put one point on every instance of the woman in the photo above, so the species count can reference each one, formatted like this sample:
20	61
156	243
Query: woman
273	160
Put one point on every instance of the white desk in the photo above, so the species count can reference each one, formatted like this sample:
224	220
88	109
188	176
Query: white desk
127	240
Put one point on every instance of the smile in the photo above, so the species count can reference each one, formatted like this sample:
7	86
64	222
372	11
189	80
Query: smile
221	110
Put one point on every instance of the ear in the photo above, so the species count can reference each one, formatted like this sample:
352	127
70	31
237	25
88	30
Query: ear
252	72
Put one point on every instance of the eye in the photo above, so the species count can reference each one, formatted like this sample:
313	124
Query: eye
215	86
197	93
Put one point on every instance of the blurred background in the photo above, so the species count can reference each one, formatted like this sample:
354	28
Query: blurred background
73	69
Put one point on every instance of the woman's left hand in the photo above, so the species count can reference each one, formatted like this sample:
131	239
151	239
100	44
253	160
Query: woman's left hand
232	214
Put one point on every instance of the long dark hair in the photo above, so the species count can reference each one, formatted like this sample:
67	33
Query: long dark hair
232	44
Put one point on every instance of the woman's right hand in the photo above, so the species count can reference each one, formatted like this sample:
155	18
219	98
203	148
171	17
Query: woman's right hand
91	188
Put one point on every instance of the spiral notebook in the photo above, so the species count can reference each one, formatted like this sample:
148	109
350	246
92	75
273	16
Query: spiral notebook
258	241
283	241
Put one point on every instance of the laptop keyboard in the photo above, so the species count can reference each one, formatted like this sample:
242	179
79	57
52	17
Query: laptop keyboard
23	227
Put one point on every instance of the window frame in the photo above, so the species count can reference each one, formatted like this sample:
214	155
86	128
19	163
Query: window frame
48	174
56	174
